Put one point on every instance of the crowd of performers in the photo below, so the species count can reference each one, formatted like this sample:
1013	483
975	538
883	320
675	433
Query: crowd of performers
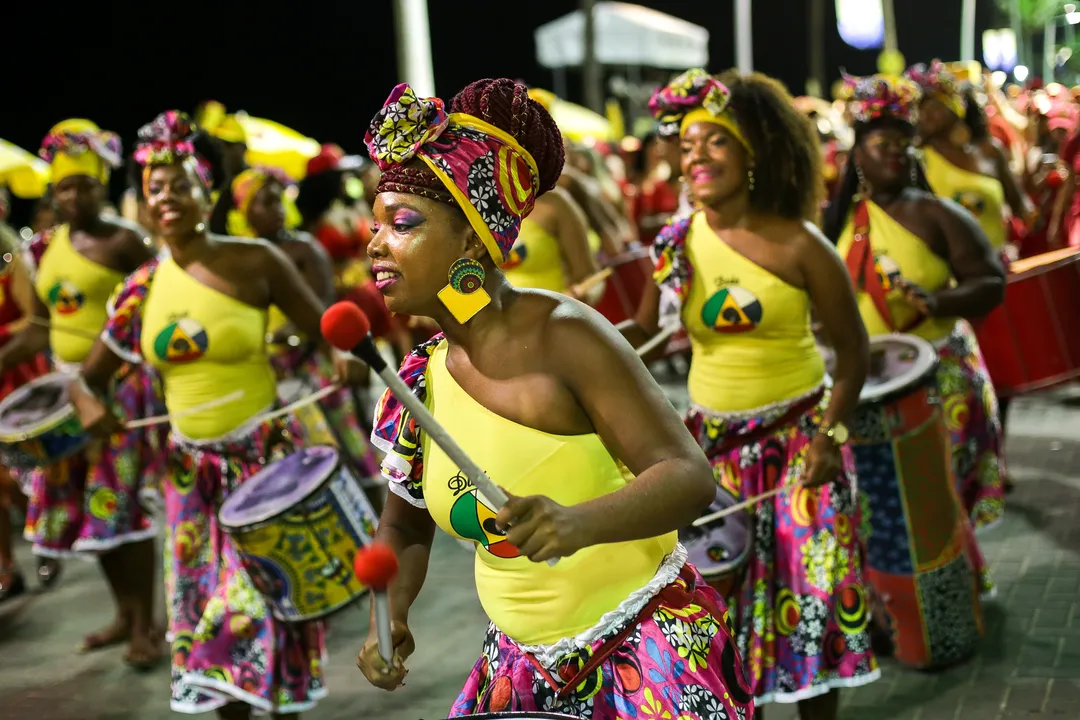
476	239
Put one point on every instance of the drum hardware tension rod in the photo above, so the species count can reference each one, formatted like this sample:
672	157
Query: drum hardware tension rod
740	506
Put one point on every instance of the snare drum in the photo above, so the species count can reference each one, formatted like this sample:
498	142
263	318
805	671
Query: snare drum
720	549
38	425
297	524
1032	340
916	560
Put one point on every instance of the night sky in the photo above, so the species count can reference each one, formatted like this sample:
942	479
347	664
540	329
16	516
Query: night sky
324	68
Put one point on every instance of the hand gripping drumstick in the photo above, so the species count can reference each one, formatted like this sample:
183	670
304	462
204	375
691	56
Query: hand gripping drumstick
346	327
375	566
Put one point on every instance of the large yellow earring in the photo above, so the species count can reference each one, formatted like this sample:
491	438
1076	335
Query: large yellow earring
464	295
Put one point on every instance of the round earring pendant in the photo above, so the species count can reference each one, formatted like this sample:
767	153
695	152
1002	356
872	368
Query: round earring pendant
466	276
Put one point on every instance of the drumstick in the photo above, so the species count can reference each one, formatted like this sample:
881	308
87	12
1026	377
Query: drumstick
347	328
595	279
161	419
70	331
740	506
656	339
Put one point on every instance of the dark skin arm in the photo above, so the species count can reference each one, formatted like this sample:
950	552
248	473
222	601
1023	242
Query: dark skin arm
1014	195
317	271
28	342
980	279
835	307
673	480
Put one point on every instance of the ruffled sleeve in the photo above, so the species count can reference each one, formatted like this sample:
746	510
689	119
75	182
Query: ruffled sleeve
671	269
124	327
395	430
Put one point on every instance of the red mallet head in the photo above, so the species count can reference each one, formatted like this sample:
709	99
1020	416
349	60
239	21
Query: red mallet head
375	566
344	325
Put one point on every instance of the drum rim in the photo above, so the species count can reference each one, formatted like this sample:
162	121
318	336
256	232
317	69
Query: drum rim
262	519
58	417
925	363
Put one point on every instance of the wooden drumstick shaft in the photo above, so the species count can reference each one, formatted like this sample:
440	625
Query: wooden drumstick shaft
594	279
162	419
656	340
70	331
705	520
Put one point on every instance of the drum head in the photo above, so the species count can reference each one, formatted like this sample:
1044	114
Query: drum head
279	486
897	362
35	407
721	546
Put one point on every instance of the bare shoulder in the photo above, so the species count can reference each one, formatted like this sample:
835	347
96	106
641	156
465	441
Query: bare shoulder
252	252
808	239
125	231
304	244
574	333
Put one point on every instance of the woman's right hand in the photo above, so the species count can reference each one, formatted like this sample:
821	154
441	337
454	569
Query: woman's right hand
94	414
375	668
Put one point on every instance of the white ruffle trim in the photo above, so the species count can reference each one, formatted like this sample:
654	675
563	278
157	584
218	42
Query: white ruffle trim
615	620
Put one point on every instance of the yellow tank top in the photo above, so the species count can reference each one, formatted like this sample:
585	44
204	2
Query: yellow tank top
898	254
749	330
536	260
206	345
533	603
76	290
981	194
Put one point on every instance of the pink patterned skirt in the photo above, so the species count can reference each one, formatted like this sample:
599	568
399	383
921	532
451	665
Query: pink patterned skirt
675	659
801	611
226	645
89	503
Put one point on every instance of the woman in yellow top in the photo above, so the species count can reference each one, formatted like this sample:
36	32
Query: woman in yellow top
935	271
964	162
742	274
199	316
257	195
542	393
919	263
552	250
88	503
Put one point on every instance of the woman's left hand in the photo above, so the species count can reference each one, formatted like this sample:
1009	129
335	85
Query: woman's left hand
349	369
824	463
540	528
921	300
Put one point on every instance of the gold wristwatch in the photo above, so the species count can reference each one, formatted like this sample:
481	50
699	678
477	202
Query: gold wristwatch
837	432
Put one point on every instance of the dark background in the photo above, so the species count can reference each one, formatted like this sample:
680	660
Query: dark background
324	67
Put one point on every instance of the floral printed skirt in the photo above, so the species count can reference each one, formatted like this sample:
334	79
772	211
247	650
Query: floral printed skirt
675	660
971	414
89	502
226	645
801	612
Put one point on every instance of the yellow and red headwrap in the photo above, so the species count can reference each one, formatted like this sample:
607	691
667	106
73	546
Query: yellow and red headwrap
939	82
79	147
247	185
492	178
693	97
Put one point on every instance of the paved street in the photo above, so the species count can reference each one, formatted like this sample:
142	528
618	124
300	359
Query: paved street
1029	667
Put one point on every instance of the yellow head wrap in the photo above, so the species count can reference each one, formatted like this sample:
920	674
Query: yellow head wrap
693	97
212	118
79	147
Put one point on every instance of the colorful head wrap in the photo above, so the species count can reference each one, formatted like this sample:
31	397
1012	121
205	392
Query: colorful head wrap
79	147
939	82
169	139
881	96
247	185
693	97
491	177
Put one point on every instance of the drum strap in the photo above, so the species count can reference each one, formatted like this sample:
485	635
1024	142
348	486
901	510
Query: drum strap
793	413
864	274
672	596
